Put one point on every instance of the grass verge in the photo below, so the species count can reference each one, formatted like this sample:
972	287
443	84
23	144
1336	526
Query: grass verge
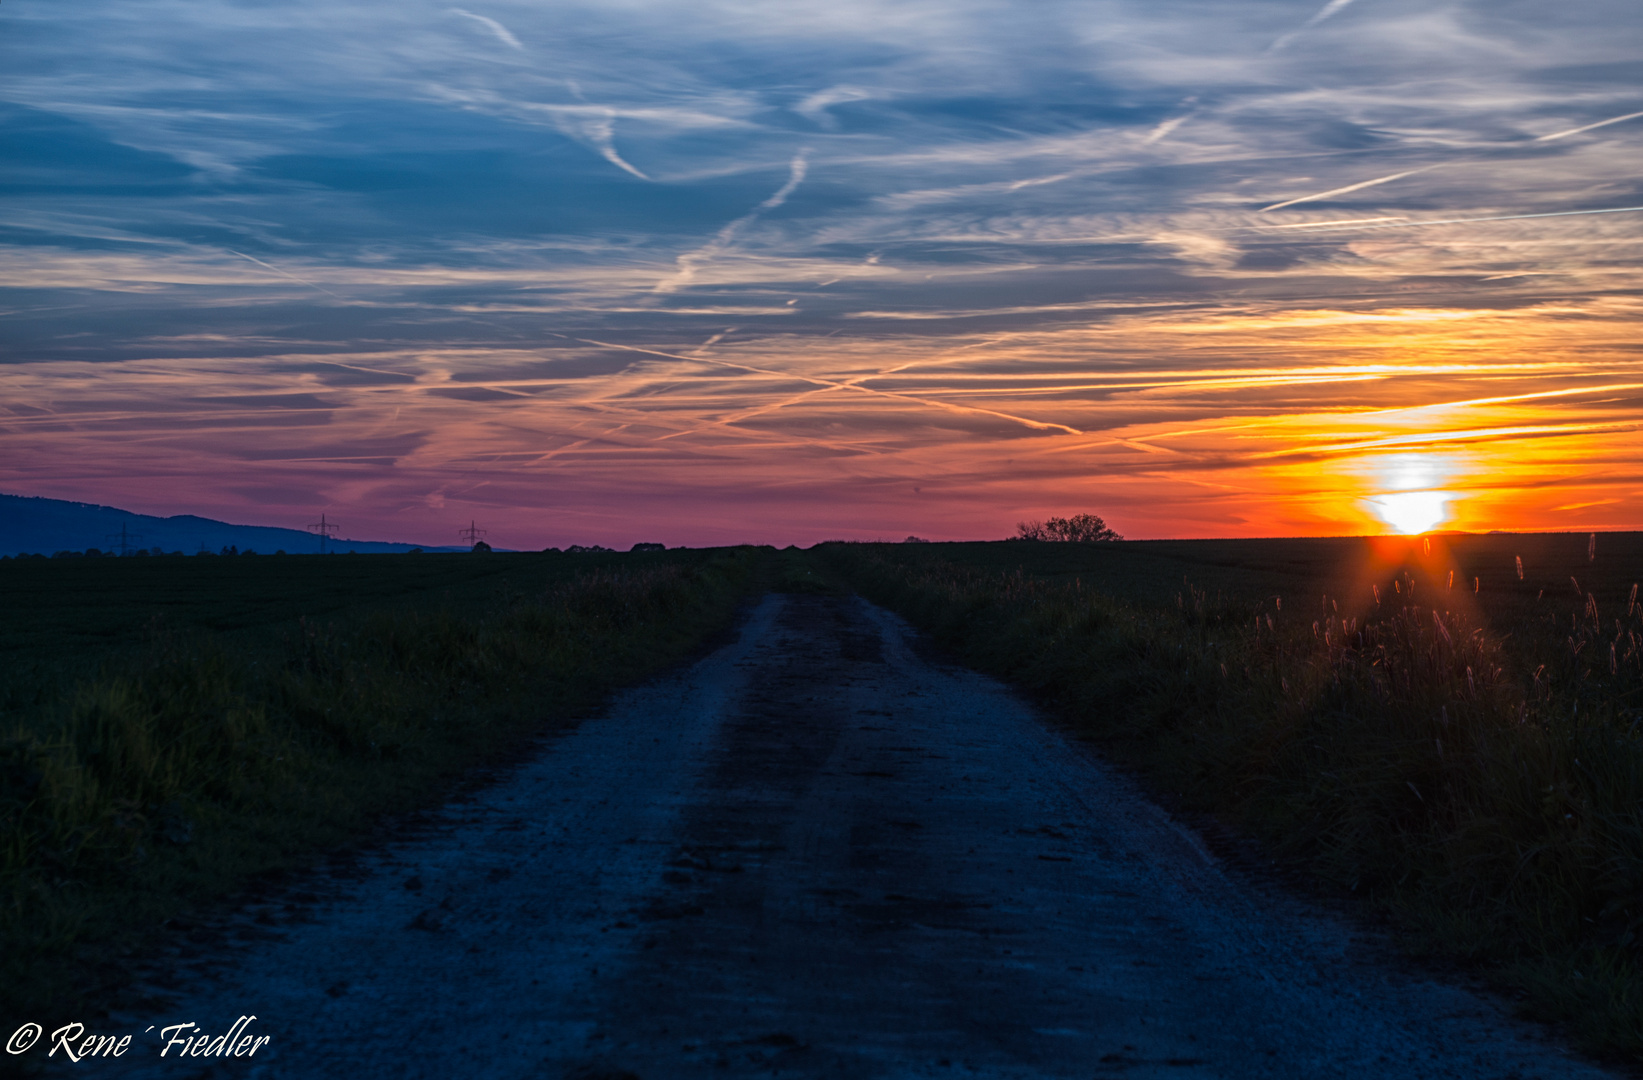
182	768
1479	778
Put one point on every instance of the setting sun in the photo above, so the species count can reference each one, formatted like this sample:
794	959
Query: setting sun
1410	500
1412	512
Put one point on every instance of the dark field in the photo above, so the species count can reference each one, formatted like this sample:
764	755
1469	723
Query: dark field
173	728
1151	571
82	608
1407	722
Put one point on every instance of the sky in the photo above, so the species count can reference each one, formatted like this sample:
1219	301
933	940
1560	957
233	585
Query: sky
782	272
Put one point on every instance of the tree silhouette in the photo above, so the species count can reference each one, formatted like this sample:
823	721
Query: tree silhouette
1080	528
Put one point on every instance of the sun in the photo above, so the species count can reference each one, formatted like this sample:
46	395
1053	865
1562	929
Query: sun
1411	495
1413	512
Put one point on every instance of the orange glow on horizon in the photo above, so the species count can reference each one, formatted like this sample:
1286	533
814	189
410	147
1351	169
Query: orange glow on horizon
1275	425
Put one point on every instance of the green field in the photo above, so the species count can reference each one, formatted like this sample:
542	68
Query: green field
1411	722
172	728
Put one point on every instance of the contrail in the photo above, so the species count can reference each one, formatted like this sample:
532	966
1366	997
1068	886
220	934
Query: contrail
282	273
592	125
1335	224
1364	223
1428	168
795	176
602	133
1350	187
715	339
1165	128
814	107
1577	391
690	261
495	27
835	384
1589	127
1323	13
806	395
1461	435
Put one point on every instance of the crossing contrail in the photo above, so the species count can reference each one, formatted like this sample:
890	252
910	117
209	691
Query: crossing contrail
689	262
841	384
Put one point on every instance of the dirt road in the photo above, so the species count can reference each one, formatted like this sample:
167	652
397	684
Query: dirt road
812	854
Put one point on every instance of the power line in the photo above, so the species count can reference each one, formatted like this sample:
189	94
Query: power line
324	529
472	533
124	538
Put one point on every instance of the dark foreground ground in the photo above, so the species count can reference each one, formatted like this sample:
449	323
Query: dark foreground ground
814	853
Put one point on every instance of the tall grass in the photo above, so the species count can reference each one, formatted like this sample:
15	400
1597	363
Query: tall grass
1484	786
169	778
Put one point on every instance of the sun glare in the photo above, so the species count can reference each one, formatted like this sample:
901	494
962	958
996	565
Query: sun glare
1412	512
1411	501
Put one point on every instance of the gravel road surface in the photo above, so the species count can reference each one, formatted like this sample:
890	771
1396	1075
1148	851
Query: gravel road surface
813	853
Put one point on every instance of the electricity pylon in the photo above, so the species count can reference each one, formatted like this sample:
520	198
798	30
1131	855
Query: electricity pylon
324	529
125	539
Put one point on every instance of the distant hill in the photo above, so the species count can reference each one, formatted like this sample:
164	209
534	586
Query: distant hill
45	526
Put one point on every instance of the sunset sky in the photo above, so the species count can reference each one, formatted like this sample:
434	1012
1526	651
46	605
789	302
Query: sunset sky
780	272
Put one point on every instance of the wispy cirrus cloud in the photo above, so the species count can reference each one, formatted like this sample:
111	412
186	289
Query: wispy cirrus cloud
502	33
1333	7
691	262
999	255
